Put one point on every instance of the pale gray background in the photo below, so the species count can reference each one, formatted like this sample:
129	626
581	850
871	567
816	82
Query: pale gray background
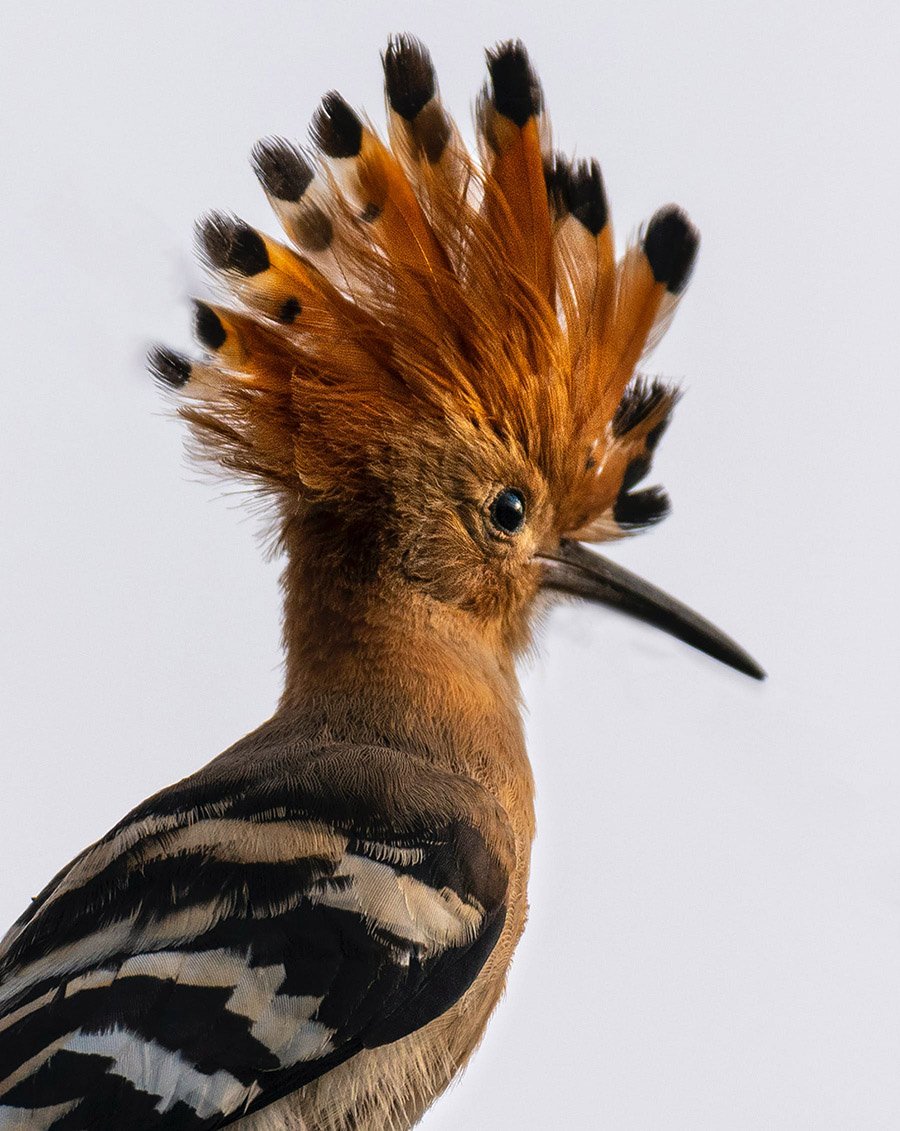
715	930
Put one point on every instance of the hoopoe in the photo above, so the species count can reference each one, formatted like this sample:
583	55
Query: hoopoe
434	383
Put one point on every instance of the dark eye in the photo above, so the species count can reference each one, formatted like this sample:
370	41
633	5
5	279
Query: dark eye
508	511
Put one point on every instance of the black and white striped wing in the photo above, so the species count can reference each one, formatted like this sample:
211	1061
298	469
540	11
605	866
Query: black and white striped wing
228	943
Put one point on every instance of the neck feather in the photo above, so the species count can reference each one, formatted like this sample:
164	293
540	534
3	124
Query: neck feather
371	659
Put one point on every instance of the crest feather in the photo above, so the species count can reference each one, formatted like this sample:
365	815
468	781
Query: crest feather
424	295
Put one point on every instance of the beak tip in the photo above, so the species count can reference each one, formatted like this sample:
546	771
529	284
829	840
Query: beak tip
752	669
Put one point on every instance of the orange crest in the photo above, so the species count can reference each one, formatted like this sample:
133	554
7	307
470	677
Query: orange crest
426	297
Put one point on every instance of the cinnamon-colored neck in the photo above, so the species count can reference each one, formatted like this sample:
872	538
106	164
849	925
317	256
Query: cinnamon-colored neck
370	659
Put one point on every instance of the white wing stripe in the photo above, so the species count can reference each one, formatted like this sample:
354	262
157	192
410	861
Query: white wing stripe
69	959
180	926
286	1029
160	1072
401	904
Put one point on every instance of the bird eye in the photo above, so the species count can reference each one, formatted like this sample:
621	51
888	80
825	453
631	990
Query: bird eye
508	511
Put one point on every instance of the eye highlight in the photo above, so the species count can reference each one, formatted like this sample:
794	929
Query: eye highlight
507	511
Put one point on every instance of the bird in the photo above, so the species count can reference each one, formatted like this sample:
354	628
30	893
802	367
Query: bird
434	380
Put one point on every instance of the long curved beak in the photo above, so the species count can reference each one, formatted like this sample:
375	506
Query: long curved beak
577	570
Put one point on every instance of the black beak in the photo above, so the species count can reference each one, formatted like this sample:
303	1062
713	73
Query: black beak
575	569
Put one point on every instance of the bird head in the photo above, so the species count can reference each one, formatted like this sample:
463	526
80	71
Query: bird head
436	375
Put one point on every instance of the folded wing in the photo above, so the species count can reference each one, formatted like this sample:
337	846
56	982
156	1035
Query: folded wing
231	941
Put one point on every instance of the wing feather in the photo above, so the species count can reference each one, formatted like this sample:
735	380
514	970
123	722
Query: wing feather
231	941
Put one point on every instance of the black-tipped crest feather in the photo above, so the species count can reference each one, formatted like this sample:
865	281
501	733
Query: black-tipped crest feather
670	244
208	326
169	368
336	127
636	509
586	196
282	169
515	90
641	398
408	75
231	245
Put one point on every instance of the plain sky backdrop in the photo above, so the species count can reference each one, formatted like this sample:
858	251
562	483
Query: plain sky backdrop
715	931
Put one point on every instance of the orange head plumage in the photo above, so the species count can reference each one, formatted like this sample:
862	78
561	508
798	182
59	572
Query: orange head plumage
444	351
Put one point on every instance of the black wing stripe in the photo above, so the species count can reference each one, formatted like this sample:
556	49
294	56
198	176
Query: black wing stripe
171	900
151	1010
193	864
438	987
37	1000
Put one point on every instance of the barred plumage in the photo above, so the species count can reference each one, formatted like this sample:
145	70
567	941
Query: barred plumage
231	940
434	381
